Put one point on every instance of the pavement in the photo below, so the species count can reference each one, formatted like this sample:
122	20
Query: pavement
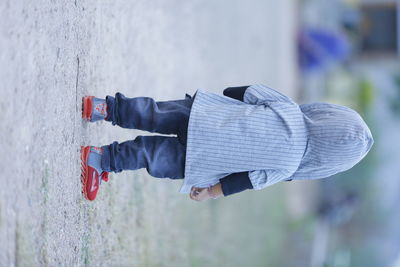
53	53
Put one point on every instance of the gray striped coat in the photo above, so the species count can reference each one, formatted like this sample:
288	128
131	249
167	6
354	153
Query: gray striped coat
271	137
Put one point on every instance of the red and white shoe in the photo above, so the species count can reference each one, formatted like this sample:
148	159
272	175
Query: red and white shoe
94	109
91	172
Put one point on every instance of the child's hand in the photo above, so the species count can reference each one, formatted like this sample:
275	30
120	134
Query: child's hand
200	194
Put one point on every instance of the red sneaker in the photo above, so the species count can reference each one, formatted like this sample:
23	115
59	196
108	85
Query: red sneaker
91	175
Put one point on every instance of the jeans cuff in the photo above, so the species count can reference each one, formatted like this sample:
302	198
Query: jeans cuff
110	109
105	159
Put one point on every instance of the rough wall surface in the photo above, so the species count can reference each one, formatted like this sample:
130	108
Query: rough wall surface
53	53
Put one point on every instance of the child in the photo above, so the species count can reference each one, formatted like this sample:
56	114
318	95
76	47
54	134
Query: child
250	138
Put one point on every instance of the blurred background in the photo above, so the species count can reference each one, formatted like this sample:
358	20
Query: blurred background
54	52
349	54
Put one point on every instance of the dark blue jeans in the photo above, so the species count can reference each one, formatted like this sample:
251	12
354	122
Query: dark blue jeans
162	156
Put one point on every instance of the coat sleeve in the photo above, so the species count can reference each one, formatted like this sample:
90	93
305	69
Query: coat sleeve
235	183
263	178
235	92
259	94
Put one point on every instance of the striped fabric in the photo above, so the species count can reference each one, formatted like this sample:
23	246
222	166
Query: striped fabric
270	136
338	138
265	135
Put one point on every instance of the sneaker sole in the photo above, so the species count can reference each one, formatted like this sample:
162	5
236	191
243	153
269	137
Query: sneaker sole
87	107
84	169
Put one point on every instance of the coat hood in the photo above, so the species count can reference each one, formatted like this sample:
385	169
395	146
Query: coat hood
338	138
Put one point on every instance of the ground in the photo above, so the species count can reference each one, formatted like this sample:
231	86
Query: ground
55	52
